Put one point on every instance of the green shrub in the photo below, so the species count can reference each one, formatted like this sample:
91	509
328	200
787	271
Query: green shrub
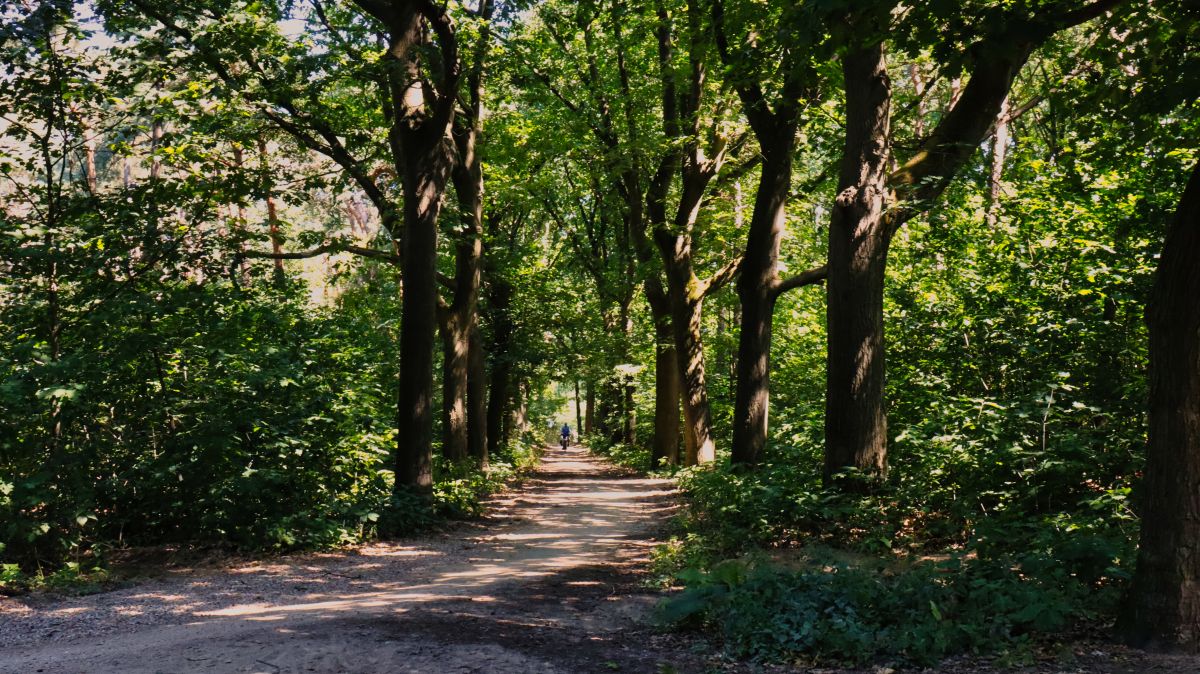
858	615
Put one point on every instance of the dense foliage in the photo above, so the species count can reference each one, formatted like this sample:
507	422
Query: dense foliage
868	278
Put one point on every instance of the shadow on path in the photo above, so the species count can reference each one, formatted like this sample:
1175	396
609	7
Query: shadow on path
548	586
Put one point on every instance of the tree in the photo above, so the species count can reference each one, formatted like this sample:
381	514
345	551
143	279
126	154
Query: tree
775	120
873	204
698	143
417	93
1163	607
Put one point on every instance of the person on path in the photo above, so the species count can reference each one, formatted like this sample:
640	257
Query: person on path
566	436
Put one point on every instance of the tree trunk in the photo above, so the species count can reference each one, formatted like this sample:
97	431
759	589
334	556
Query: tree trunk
855	421
665	447
516	418
272	213
589	416
606	410
500	297
1163	606
685	296
578	410
477	445
756	290
999	153
628	385
629	408
424	183
697	414
456	346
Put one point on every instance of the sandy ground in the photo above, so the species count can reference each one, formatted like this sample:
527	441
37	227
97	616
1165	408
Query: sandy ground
547	584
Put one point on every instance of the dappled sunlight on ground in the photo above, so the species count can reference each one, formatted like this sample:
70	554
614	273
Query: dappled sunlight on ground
547	567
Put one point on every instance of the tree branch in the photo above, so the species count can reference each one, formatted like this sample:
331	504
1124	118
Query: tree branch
722	277
325	248
800	280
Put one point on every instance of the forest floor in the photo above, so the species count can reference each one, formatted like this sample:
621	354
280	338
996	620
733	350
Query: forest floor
549	582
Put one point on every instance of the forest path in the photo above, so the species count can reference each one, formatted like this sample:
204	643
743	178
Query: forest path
546	584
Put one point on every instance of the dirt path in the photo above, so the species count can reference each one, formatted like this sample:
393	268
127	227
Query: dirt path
548	586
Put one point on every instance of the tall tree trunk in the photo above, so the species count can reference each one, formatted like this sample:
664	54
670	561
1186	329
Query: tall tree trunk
578	410
518	420
756	290
499	300
589	416
628	384
697	414
860	231
999	153
629	425
424	182
1163	606
272	213
456	347
665	447
468	187
685	295
422	115
477	444
855	422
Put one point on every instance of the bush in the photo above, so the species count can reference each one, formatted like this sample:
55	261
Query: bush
858	615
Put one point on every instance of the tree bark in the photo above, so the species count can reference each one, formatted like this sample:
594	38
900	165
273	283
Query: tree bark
999	154
756	291
855	421
499	300
424	183
423	155
460	317
1163	606
628	385
665	447
685	294
456	347
578	410
477	444
589	416
517	418
272	213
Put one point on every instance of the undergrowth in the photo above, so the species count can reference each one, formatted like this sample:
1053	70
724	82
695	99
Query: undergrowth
370	511
785	570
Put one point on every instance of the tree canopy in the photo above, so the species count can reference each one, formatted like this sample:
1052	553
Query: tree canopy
910	279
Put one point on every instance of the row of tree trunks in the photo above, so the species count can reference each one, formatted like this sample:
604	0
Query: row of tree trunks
464	417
